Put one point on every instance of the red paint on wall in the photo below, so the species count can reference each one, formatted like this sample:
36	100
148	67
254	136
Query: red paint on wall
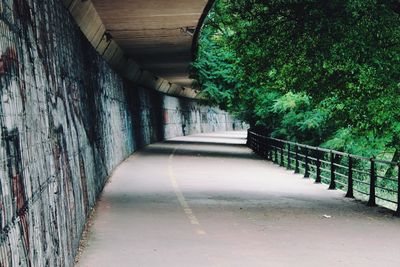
19	195
8	59
166	119
2	67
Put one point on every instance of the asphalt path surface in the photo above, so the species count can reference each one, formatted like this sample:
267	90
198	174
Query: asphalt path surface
208	200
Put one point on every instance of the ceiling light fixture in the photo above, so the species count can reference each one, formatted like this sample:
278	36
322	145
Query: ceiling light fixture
188	30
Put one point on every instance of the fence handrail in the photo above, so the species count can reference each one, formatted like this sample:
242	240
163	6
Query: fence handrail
324	160
328	150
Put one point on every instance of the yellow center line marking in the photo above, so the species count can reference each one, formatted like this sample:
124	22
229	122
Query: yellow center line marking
181	198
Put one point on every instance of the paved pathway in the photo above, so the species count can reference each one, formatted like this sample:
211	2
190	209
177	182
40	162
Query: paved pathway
207	200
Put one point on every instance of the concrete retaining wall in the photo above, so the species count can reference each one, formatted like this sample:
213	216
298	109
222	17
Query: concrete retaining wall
66	121
183	117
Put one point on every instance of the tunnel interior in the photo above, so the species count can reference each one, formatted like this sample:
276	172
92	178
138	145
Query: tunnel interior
75	103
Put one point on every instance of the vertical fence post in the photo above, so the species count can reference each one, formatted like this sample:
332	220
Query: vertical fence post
248	143
350	193
282	159
318	178
288	157
332	185
397	213
253	141
296	149
255	145
270	149
264	147
307	168
276	152
372	184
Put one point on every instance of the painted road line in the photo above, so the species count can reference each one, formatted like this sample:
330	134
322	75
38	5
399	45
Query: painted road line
181	198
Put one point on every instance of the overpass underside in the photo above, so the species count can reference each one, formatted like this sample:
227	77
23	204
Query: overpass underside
150	42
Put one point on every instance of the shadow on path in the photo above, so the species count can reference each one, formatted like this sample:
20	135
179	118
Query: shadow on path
207	200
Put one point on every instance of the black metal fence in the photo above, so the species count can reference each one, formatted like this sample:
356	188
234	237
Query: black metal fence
371	179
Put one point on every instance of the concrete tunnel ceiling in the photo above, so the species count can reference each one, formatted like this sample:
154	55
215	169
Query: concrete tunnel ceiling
157	34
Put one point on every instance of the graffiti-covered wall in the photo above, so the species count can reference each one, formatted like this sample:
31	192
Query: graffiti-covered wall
66	121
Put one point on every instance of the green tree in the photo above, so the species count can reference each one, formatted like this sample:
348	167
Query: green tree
319	72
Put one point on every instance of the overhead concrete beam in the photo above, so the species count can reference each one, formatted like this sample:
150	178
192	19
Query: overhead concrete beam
102	39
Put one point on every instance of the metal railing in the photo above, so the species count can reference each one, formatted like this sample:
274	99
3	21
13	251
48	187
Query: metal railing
371	179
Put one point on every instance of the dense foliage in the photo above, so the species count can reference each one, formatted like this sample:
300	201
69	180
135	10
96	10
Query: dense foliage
319	72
